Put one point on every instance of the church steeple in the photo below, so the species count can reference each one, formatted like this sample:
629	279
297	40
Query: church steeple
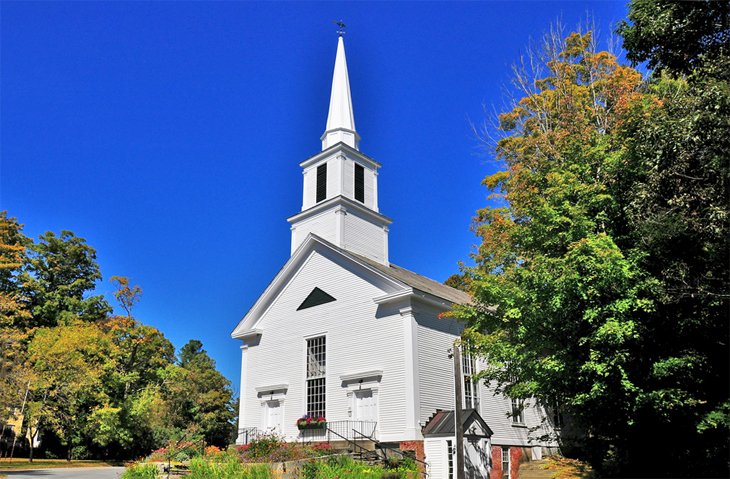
341	119
340	193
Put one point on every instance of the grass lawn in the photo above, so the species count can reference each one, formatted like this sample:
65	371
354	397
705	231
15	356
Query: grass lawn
22	463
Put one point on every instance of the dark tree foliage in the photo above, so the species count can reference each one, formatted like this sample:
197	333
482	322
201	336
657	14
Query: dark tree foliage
60	271
675	34
608	270
94	385
201	395
678	205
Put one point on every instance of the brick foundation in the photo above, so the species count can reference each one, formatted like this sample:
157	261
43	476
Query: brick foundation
416	446
515	456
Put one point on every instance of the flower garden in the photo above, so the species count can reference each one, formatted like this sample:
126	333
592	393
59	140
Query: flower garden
265	458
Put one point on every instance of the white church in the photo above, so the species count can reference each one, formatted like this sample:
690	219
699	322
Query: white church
343	344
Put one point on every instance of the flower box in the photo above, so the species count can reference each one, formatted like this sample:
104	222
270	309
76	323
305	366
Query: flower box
311	425
311	422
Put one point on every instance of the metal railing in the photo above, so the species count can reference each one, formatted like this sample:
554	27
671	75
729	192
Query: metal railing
353	430
248	434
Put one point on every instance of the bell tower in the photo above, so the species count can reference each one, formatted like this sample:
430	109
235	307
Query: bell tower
340	193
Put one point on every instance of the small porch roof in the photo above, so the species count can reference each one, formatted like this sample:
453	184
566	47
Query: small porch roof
443	424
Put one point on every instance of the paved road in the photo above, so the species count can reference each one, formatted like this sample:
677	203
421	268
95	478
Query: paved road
68	473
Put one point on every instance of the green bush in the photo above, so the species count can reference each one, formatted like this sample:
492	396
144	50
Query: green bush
310	469
264	446
231	468
141	471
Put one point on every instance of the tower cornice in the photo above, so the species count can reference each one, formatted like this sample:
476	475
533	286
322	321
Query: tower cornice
340	201
352	152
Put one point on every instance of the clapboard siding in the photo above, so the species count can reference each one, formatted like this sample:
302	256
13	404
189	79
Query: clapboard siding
436	370
363	236
323	225
436	458
357	340
495	410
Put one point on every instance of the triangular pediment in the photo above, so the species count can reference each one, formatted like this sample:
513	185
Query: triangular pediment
315	298
312	246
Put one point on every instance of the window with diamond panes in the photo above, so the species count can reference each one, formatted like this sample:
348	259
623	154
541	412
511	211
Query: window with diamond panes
316	369
471	387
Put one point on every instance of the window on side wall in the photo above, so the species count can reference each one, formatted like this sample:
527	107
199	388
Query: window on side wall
505	463
316	372
518	411
471	387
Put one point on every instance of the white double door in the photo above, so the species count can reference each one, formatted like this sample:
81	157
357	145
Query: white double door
366	406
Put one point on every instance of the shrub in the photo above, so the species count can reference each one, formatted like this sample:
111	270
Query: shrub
309	470
231	468
141	471
263	447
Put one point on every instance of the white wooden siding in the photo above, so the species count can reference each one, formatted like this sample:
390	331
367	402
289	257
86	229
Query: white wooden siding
436	458
358	339
436	370
323	225
495	410
363	236
348	178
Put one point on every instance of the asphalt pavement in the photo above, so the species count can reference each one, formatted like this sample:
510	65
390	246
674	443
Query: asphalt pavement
68	473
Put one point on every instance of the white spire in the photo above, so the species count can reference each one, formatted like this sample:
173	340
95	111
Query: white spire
340	120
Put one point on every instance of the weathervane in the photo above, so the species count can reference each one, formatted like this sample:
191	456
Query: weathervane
340	27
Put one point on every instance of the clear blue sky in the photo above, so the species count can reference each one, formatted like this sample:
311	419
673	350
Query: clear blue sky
169	134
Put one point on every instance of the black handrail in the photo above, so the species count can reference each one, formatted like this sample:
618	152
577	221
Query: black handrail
348	440
370	437
402	455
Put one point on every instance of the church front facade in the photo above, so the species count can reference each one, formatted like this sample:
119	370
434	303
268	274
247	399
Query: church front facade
344	344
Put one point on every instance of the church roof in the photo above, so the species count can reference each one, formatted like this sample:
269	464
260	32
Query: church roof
414	280
419	282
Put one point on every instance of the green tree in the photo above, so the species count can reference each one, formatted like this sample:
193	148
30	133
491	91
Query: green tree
558	302
602	284
13	310
676	35
198	394
70	363
678	204
57	277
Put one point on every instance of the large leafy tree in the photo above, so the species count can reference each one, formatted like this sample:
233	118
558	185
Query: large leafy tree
601	284
679	207
676	35
198	394
558	301
57	278
70	363
13	310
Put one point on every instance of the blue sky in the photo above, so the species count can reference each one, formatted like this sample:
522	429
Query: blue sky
168	134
